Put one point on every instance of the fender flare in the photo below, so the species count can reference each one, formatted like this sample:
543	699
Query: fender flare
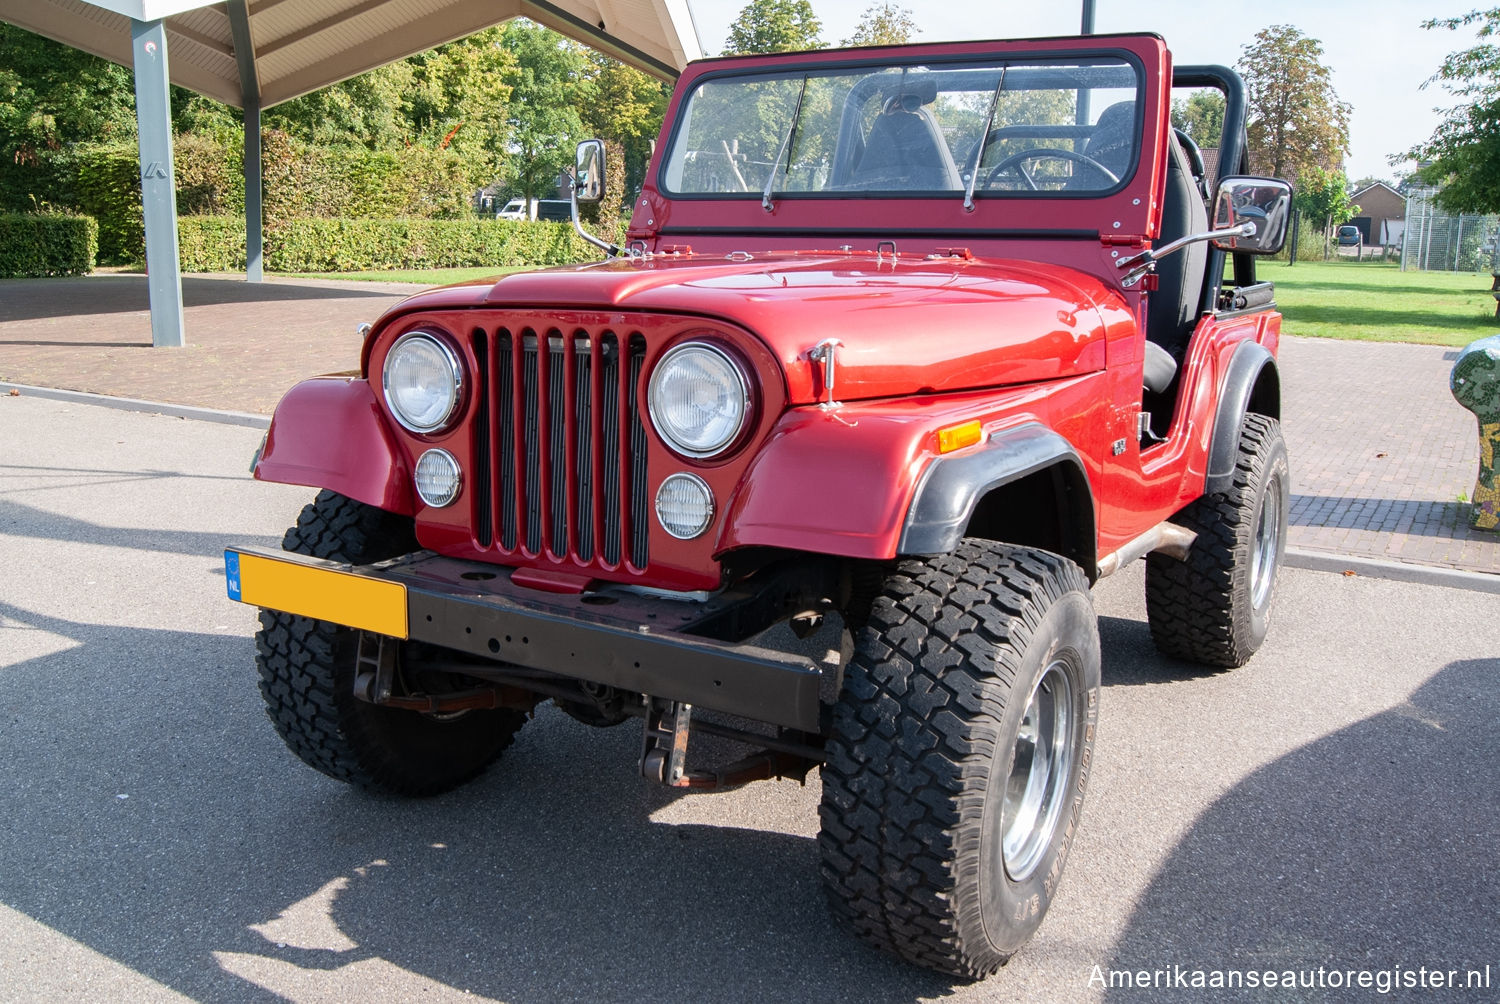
330	432
1250	361
952	486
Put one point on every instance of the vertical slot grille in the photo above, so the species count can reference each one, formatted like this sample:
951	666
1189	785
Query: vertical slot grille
609	382
639	524
484	506
505	413
531	444
568	441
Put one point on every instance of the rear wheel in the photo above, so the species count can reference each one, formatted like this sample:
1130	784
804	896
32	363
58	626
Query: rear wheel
959	755
307	670
1214	607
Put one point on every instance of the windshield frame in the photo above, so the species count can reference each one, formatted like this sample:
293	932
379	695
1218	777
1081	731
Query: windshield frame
1001	61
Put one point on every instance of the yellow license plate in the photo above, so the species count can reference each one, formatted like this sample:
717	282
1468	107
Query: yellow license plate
322	593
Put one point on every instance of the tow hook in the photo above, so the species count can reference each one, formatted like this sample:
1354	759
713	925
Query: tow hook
664	742
664	753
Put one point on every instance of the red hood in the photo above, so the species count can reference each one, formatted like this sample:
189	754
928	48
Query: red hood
939	324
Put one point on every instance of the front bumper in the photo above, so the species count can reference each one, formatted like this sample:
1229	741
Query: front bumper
612	637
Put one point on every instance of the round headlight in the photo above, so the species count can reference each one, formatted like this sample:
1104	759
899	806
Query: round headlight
699	399
422	379
684	505
438	478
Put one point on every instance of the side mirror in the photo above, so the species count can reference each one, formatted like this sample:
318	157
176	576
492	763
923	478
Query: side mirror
588	173
1264	202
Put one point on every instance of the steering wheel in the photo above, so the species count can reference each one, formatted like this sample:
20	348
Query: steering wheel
1017	160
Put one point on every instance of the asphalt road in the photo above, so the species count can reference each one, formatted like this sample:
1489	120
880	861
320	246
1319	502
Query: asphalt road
1333	804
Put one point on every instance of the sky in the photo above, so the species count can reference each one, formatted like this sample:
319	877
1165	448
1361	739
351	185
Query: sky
1378	51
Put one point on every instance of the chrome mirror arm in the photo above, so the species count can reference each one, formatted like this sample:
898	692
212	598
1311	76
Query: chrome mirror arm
1145	262
610	250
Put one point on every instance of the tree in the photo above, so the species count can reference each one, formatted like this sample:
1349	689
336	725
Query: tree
624	106
1201	116
544	124
774	26
1297	121
1462	156
883	24
1360	184
361	111
453	96
1324	196
53	97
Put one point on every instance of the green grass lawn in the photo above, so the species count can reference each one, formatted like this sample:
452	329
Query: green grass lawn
1377	302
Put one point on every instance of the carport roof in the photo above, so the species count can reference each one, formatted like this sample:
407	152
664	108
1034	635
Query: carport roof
299	46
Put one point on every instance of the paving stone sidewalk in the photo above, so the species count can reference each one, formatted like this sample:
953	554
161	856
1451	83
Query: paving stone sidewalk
1381	454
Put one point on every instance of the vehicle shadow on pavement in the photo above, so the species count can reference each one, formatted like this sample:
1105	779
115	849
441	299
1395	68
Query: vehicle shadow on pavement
151	814
39	523
33	299
1130	657
1346	841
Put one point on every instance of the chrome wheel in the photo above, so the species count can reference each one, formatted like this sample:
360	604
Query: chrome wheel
1040	767
1265	545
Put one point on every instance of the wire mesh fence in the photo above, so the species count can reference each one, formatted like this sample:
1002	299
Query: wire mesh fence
1439	241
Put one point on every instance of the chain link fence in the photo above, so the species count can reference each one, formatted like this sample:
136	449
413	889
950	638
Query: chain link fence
1438	241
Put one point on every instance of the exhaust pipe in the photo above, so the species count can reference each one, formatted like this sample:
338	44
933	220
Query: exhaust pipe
1168	538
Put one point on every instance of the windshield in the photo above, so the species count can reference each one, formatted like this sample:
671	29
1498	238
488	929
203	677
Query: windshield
995	128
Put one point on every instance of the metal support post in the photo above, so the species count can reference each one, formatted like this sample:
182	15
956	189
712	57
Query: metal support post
153	112
253	232
244	55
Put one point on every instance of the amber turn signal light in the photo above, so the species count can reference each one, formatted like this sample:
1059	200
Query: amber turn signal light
956	437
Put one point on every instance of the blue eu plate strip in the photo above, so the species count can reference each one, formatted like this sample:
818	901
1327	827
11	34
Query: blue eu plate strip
232	574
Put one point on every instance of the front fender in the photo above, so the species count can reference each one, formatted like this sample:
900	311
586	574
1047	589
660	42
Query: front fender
865	480
831	482
330	432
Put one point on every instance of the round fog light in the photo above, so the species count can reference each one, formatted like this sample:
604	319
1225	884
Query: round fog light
438	478
684	506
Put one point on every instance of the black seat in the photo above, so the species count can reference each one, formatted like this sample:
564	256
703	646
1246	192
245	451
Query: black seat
905	152
1112	142
1173	309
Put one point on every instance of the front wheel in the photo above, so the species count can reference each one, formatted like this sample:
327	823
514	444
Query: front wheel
959	755
307	669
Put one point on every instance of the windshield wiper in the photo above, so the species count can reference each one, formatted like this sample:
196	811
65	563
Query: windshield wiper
984	137
765	195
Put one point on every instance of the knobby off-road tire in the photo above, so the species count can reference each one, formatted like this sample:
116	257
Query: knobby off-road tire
307	677
943	833
1215	607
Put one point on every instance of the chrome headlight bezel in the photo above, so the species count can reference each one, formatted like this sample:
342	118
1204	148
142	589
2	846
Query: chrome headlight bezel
737	388
449	467
704	493
454	385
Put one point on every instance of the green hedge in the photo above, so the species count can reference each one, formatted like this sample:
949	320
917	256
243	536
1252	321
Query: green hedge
217	244
43	244
303	181
211	243
355	245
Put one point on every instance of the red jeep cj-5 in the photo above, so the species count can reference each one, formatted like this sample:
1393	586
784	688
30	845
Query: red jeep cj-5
929	338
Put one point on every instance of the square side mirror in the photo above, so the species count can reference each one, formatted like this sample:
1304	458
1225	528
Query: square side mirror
588	172
1264	202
